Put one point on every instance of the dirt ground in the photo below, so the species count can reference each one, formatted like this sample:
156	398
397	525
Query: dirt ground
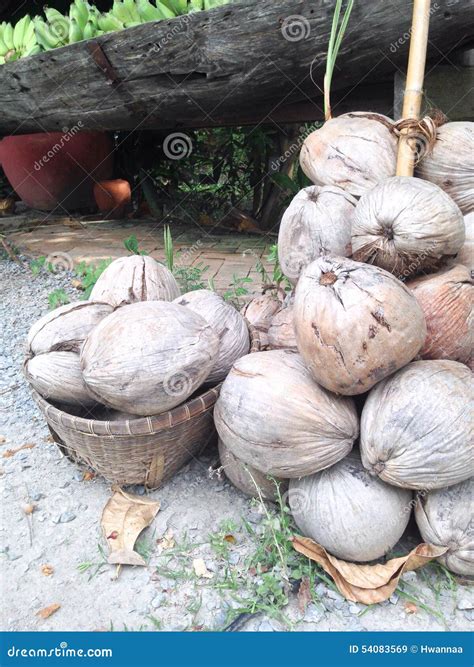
56	554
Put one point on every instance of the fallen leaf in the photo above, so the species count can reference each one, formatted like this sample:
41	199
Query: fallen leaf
29	508
230	539
2	439
47	570
166	542
200	569
49	438
126	515
48	611
366	583
11	452
88	475
304	594
77	284
410	608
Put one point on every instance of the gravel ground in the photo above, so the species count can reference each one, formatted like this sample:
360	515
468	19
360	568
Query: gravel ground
63	532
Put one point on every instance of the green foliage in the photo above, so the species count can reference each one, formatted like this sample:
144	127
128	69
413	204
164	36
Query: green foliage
89	274
131	244
56	298
237	289
169	249
277	278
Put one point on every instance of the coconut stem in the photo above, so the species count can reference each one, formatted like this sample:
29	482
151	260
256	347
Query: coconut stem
414	84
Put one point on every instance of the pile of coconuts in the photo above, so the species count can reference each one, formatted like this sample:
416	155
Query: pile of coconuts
361	399
137	347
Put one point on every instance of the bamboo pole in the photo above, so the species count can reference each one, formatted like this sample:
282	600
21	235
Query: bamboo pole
414	84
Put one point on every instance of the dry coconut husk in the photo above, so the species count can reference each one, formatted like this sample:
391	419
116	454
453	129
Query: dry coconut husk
352	514
135	278
259	313
53	345
355	324
354	151
406	225
227	322
416	426
66	327
281	334
250	480
273	416
148	357
450	165
57	377
447	299
444	518
317	222
466	254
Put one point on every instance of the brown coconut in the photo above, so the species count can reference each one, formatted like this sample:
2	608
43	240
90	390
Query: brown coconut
259	313
447	300
227	322
53	345
57	377
317	222
466	254
249	480
281	334
355	324
353	515
274	417
406	226
354	151
146	358
135	278
416	428
450	164
444	518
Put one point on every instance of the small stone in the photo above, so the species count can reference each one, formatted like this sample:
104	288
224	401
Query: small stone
66	517
409	576
36	496
321	590
140	491
157	601
265	626
78	476
334	595
394	598
354	609
234	558
469	614
465	604
220	619
313	614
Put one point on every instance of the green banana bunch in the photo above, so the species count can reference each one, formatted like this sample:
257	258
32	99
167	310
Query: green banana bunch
19	41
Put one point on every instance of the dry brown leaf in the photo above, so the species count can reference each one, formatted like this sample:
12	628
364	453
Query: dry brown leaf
230	539
304	594
48	611
28	508
123	519
366	583
77	284
410	608
2	439
11	452
88	475
47	570
167	541
200	569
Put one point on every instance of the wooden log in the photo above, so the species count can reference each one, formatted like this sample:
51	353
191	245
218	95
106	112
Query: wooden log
204	69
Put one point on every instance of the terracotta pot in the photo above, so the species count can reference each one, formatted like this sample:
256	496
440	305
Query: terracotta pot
113	197
57	170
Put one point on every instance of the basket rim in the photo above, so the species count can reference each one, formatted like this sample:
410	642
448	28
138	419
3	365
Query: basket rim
154	423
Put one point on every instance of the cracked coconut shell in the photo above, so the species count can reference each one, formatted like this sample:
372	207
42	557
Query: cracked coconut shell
274	417
317	222
416	427
354	151
281	334
406	226
450	163
447	299
466	255
227	322
148	357
355	324
135	278
53	346
352	514
248	479
444	518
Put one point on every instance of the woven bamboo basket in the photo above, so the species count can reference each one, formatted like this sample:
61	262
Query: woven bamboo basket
145	450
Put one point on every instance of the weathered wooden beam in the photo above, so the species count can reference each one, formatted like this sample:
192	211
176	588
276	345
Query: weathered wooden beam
210	68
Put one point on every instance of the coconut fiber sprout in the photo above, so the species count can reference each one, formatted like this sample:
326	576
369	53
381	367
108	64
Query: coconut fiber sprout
416	426
273	416
148	357
355	324
353	515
